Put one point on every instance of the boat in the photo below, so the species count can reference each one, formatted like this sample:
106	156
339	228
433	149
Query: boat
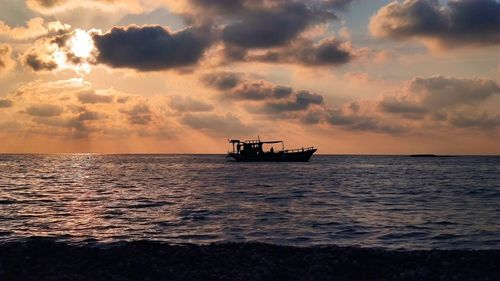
252	151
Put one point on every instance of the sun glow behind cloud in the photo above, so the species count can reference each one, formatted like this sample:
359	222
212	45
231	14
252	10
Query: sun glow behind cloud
71	50
81	44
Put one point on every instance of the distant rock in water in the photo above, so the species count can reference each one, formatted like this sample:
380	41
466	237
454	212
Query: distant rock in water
424	155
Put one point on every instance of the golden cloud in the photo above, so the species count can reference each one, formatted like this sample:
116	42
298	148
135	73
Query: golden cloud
6	61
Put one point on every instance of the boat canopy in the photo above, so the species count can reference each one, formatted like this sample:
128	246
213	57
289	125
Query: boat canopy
254	141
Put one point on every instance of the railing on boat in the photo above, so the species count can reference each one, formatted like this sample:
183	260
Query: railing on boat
298	150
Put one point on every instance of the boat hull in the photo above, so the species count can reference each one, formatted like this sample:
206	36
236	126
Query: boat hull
299	156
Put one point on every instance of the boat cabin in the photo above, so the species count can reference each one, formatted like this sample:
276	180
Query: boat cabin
255	147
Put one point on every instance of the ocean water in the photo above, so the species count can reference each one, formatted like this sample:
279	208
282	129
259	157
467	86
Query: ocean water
393	202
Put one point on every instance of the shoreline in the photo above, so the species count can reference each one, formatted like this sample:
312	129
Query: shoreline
45	259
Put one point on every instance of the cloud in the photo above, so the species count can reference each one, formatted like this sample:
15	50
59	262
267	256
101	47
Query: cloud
10	126
327	52
220	6
338	4
277	27
6	61
222	80
423	95
5	103
456	24
452	100
89	96
151	48
38	62
441	91
219	125
262	97
239	87
468	120
276	31
51	109
46	3
265	28
301	101
86	115
238	8
59	6
354	121
406	109
44	110
58	51
266	97
139	114
187	104
75	125
258	90
35	27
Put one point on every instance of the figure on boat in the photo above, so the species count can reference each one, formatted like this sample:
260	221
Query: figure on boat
253	150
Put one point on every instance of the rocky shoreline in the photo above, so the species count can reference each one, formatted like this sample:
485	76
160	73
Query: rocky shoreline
46	260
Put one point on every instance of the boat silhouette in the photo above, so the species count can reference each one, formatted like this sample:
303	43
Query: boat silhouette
252	151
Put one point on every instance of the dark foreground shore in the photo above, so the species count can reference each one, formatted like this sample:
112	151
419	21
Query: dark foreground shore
42	259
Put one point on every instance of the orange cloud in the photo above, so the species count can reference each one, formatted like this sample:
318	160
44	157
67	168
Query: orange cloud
35	27
6	61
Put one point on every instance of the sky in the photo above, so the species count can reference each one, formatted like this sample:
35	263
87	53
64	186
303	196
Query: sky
183	76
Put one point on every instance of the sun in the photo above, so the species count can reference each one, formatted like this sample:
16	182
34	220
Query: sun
81	44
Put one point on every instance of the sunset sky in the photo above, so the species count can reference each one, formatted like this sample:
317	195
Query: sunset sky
183	76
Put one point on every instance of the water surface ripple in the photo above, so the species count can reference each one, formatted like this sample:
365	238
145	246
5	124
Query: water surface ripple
370	201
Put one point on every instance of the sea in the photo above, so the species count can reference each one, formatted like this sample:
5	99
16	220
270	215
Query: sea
388	202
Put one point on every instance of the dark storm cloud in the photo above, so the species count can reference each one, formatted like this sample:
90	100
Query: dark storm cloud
5	103
139	114
459	23
266	28
44	110
356	122
227	126
89	96
151	48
